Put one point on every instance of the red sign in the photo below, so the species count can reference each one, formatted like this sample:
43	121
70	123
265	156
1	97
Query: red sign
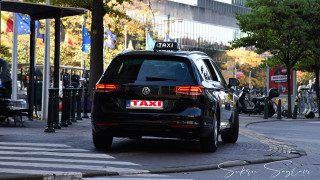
240	74
278	79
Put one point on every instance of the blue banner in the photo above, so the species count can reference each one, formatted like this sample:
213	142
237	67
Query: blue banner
85	40
110	37
151	43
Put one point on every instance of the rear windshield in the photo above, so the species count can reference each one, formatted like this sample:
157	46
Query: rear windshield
142	69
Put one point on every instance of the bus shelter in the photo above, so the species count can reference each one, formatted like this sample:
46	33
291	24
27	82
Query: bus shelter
36	12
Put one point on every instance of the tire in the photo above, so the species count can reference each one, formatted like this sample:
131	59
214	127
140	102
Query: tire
231	136
210	143
284	113
101	141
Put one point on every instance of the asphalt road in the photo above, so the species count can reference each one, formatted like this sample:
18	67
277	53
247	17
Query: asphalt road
28	152
300	134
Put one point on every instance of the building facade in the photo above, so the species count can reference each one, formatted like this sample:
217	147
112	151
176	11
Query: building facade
197	24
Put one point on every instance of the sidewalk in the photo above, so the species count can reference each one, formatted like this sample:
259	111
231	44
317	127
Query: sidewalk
251	119
252	148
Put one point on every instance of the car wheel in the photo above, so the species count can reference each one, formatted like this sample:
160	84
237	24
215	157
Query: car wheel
101	141
210	143
231	135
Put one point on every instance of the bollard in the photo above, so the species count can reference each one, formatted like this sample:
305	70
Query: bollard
56	118
79	104
73	105
85	103
265	116
64	121
295	110
279	109
51	108
69	106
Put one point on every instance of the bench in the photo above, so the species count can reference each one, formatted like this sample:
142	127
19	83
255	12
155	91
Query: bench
11	111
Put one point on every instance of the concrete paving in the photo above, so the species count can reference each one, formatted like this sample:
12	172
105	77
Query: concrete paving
148	155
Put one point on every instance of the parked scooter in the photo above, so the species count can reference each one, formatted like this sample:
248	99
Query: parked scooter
258	102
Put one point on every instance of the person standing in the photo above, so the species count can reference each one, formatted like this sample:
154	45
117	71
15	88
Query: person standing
66	79
5	77
75	79
309	86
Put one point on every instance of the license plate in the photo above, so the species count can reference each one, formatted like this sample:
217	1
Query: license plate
138	104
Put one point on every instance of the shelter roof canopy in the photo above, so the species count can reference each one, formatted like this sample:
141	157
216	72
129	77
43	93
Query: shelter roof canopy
39	11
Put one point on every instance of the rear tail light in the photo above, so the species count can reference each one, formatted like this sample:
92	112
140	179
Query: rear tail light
107	87
189	90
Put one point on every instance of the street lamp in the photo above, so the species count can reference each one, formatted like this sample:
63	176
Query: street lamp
179	20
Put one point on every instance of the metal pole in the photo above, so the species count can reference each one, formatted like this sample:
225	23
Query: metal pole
46	69
235	68
31	70
279	109
146	38
64	116
14	65
55	110
265	114
56	72
250	80
85	103
125	36
295	109
168	25
79	104
50	127
104	51
69	91
73	105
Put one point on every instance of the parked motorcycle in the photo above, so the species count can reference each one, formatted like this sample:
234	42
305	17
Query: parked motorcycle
258	102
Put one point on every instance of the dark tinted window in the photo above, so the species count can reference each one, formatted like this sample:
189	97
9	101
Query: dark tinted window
219	74
142	69
203	69
211	69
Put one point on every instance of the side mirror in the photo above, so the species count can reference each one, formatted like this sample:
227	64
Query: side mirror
234	82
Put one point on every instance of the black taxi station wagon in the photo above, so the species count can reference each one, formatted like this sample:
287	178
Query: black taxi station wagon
164	93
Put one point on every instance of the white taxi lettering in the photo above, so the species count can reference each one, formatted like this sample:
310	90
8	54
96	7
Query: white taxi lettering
146	103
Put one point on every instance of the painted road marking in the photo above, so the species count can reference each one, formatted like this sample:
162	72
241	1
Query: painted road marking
60	154
38	159
72	166
68	160
38	149
35	144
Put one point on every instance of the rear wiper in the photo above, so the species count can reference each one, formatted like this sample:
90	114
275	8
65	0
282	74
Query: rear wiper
159	79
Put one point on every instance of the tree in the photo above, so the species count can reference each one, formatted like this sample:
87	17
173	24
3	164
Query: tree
246	61
99	9
278	27
312	63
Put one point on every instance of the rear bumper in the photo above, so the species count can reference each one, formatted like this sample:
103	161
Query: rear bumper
189	125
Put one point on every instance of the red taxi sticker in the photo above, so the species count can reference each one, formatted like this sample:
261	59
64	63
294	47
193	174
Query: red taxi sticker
137	104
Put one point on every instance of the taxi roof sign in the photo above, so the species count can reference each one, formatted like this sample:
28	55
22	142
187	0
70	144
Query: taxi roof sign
173	46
